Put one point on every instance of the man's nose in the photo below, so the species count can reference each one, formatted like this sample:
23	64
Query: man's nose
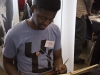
47	22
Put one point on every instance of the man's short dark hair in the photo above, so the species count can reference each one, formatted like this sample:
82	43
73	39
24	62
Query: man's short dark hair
52	5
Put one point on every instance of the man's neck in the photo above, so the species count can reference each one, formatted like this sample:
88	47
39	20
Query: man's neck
32	24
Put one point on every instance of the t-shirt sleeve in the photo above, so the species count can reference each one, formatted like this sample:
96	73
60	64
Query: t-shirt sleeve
58	40
9	49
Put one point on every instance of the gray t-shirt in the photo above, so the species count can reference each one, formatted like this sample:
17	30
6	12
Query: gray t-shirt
32	47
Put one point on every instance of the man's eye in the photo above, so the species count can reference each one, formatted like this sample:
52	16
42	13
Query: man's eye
51	20
43	18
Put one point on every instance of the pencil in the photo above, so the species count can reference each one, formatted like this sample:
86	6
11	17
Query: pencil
66	61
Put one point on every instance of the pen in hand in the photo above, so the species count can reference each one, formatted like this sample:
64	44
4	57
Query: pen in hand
64	64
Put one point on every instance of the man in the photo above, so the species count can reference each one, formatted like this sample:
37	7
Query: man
21	4
36	42
83	9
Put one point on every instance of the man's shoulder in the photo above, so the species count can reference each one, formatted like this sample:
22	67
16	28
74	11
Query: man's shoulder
53	26
17	28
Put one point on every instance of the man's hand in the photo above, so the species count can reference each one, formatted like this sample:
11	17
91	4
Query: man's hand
61	69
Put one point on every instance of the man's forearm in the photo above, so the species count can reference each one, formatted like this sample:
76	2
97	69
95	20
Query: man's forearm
89	4
11	69
58	62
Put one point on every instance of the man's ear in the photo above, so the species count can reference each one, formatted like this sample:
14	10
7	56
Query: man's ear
32	8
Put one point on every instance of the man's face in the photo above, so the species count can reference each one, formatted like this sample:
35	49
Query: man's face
42	18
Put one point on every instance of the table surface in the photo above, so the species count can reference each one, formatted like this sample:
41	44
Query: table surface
95	18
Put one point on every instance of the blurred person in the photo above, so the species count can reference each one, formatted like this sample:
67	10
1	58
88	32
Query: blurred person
21	4
83	9
27	11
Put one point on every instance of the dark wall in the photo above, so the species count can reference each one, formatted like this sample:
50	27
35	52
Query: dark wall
96	5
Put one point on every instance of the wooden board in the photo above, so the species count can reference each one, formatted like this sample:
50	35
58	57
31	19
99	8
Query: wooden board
81	71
